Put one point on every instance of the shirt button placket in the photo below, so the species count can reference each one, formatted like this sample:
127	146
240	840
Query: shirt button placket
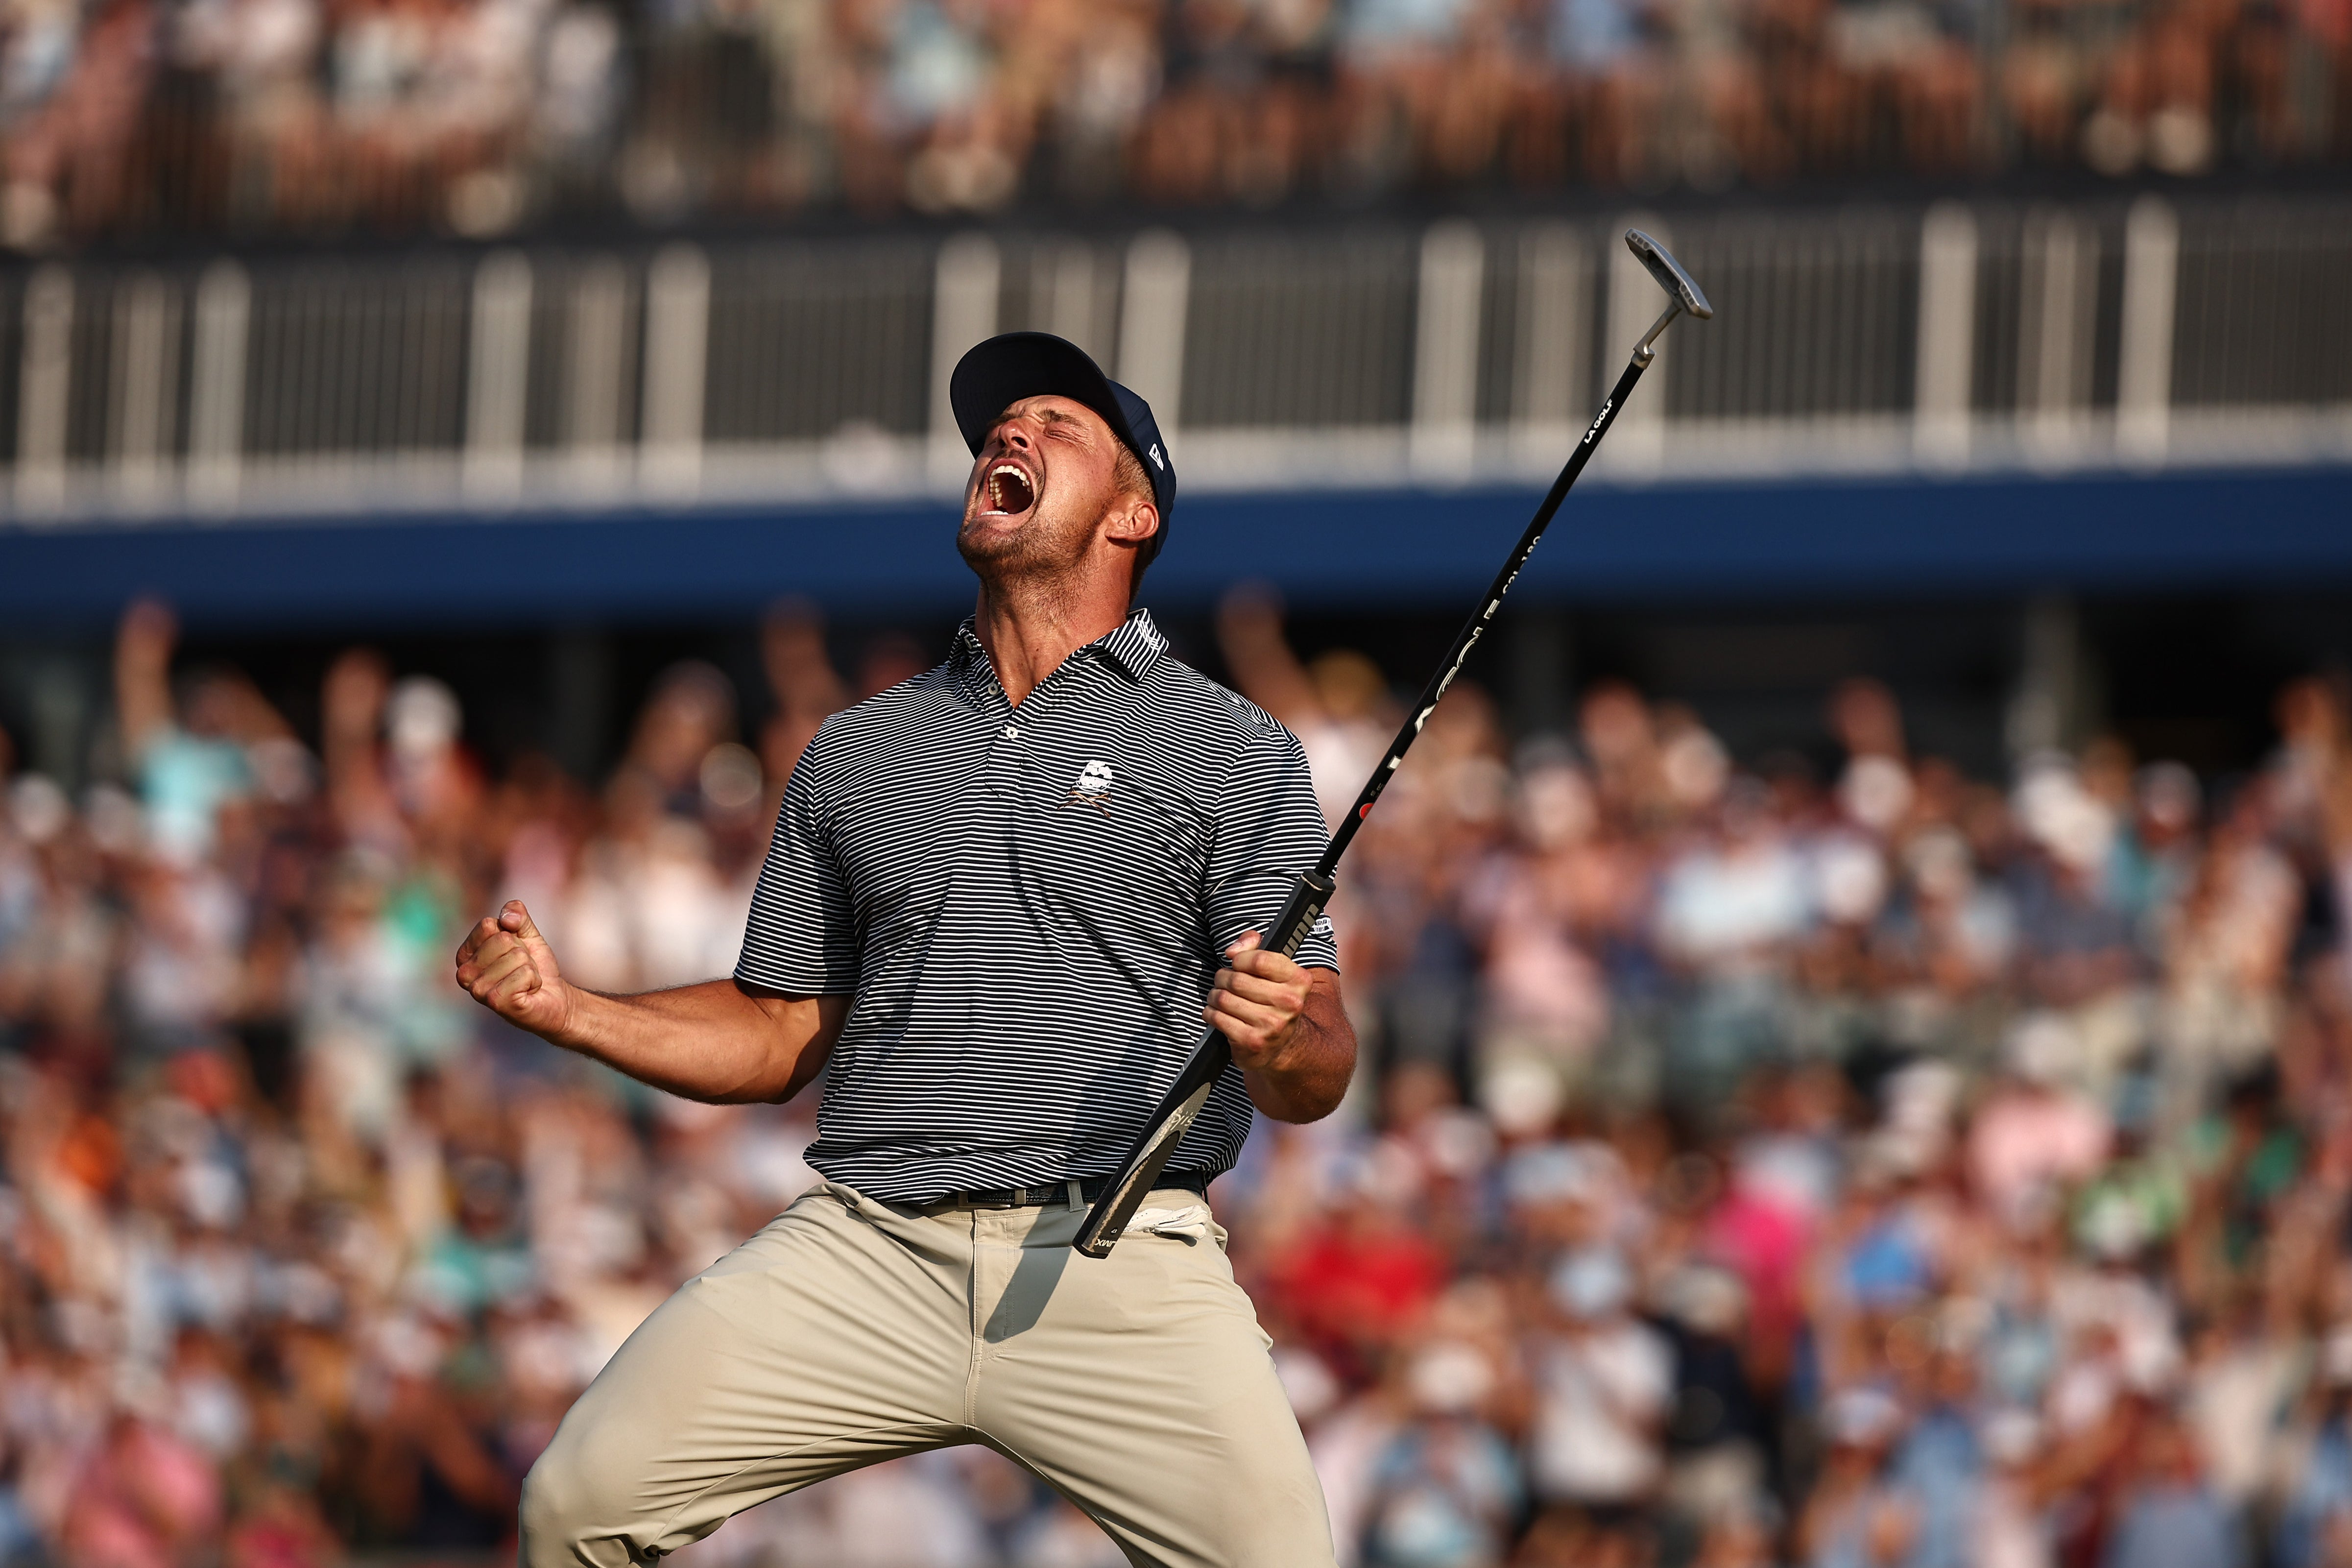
1004	761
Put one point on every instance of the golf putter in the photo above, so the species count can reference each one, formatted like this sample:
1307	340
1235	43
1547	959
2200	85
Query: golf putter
1107	1220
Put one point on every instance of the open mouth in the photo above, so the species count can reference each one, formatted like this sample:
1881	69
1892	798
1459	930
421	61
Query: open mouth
1007	492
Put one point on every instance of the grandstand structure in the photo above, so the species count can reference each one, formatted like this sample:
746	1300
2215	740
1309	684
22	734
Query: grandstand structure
2133	390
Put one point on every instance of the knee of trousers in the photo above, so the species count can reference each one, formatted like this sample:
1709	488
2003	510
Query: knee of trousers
551	1519
567	1502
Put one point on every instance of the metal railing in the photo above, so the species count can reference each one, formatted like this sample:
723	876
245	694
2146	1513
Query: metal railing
1883	340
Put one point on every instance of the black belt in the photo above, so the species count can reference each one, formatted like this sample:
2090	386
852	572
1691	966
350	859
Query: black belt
1089	1190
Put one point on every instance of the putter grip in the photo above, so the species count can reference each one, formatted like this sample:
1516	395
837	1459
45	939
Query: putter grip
1107	1221
1309	894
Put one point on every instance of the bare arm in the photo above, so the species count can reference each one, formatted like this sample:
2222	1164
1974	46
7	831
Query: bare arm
1249	633
720	1041
1288	1028
800	672
351	704
143	674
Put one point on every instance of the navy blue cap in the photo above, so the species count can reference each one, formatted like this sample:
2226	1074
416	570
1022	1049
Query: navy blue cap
1005	369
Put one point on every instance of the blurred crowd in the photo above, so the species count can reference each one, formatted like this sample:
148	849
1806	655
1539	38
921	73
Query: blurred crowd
307	116
1823	1159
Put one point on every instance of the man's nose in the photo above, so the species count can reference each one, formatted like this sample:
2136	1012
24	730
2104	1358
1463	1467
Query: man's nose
1012	435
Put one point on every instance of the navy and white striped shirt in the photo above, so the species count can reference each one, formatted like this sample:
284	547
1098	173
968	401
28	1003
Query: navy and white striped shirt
1029	904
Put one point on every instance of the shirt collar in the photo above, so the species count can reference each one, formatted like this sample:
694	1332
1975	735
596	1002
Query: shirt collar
1136	645
1133	648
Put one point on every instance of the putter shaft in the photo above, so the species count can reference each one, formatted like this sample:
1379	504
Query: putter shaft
1174	1115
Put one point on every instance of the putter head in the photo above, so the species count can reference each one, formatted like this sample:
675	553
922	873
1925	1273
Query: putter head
1669	274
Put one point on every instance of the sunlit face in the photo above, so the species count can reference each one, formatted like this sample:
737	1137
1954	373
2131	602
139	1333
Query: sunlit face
1044	482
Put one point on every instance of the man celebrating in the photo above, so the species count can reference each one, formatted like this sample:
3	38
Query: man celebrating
996	898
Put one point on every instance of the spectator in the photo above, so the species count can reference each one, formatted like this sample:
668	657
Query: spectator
2171	1519
2314	1526
1446	1490
1604	1384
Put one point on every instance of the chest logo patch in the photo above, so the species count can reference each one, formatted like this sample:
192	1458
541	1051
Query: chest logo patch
1093	788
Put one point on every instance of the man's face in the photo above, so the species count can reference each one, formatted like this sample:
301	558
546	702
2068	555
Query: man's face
1039	491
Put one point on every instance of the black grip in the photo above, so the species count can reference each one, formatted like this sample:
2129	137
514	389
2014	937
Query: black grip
1300	913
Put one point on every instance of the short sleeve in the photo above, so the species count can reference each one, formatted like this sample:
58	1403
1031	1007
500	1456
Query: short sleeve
801	935
1269	828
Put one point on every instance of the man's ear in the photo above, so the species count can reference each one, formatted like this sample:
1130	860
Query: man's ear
1134	520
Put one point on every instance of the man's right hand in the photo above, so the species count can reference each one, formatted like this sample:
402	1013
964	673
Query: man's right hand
505	965
724	1041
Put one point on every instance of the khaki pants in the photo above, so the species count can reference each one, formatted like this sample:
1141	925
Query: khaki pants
850	1330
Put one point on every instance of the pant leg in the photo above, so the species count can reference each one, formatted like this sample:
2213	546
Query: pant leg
1140	1385
839	1335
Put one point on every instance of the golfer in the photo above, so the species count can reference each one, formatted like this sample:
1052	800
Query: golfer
1001	899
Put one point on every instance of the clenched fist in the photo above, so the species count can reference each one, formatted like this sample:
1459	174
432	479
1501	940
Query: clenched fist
1256	1003
505	965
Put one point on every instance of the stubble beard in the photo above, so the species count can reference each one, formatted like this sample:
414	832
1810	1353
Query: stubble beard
1042	551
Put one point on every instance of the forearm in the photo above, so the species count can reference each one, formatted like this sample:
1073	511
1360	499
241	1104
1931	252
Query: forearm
721	1041
717	1041
1306	1077
142	675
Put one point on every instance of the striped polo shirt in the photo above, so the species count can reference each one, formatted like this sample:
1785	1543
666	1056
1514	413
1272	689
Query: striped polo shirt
1029	905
